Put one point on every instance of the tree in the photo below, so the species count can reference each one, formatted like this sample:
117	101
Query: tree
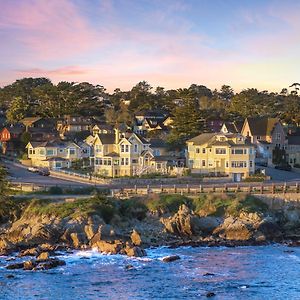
188	121
226	93
17	110
4	186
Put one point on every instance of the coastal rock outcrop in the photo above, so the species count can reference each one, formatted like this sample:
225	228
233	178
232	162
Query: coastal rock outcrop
183	223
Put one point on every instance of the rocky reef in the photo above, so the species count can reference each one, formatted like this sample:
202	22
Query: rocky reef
41	228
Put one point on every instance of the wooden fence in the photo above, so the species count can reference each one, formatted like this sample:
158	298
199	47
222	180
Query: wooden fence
220	188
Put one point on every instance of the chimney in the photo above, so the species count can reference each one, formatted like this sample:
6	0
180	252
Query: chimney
117	135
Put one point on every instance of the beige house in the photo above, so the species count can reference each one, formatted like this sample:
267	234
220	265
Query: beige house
266	134
121	154
53	154
221	153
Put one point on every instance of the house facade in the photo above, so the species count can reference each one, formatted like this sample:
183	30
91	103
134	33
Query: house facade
265	134
53	154
220	153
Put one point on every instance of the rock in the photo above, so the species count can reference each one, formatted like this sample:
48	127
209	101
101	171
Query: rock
129	267
29	252
269	228
50	264
43	256
170	258
208	224
15	266
9	276
135	251
109	247
10	259
184	222
29	265
135	238
210	294
105	232
235	229
6	247
208	274
46	247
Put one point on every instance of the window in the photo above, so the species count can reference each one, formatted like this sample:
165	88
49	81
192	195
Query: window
203	163
197	150
238	164
220	150
127	148
250	163
122	148
134	161
122	161
50	152
237	151
136	148
258	137
203	150
127	161
227	164
278	136
61	150
245	151
109	162
72	151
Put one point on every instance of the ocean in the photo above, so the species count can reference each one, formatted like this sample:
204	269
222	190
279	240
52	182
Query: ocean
258	272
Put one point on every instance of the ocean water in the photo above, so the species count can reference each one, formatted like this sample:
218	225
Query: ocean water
266	272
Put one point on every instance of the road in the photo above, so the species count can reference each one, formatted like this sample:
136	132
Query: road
19	173
280	175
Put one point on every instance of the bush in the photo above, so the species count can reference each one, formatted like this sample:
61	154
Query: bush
133	208
98	205
224	204
55	190
168	203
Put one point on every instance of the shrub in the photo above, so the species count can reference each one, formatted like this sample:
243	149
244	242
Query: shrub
55	190
133	208
168	203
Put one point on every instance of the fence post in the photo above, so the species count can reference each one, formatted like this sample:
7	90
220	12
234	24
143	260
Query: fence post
297	187
261	189
188	188
161	188
200	189
250	188
148	189
135	188
175	189
284	188
273	188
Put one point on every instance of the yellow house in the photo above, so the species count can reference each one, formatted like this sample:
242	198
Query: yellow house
53	154
221	153
121	154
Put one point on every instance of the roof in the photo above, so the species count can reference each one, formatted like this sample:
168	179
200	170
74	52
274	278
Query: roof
108	138
30	120
152	113
53	143
112	154
293	139
15	129
157	143
262	126
56	159
202	138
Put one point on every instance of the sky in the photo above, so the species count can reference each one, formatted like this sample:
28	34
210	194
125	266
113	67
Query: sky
169	43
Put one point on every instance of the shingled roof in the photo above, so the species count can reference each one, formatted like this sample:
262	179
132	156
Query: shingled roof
202	138
262	126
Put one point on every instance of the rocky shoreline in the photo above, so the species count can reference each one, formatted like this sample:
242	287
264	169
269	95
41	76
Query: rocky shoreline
39	237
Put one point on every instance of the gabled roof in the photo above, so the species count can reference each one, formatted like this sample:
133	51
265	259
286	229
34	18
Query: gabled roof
30	120
262	126
15	129
107	139
202	138
157	143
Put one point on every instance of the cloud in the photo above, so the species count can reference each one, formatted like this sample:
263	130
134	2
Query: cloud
66	71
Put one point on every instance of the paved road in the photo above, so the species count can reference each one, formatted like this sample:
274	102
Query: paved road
21	174
280	175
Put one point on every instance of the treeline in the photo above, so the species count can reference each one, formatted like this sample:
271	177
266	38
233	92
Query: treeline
189	106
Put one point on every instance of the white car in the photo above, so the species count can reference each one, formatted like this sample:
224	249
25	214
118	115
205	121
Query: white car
33	169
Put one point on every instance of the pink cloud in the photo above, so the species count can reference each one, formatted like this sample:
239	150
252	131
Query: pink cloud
65	71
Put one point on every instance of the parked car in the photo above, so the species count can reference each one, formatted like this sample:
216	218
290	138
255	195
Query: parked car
33	169
284	167
44	172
